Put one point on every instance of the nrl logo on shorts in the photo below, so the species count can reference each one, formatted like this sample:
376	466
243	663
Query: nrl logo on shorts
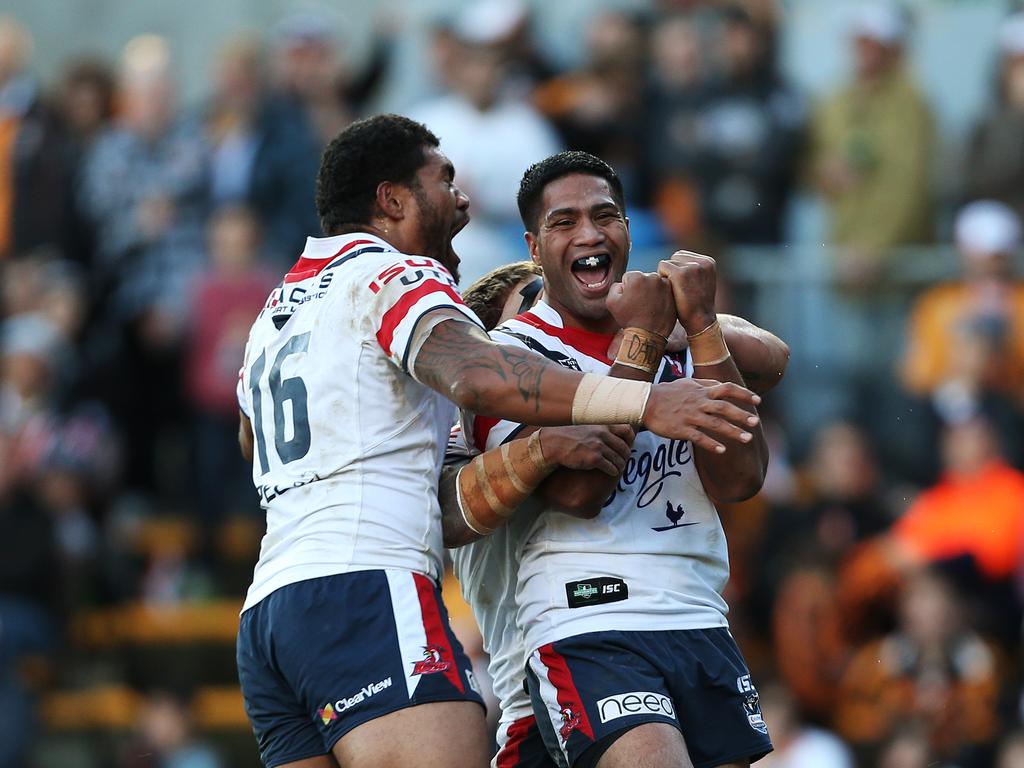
570	722
584	591
432	662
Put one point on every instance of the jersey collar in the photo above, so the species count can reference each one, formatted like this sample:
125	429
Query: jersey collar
543	316
322	252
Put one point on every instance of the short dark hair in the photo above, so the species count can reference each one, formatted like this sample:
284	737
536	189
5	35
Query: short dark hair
487	296
379	148
539	175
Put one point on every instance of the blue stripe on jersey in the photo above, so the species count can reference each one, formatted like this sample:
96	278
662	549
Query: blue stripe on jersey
349	256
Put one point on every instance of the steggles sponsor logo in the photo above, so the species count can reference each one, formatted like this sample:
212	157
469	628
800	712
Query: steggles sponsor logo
635	703
330	712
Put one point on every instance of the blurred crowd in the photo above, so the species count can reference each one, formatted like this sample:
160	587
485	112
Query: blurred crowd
878	579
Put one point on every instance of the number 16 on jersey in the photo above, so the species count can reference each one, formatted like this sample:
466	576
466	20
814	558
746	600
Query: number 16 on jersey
291	391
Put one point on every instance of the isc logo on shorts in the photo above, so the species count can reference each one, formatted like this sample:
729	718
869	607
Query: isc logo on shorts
635	703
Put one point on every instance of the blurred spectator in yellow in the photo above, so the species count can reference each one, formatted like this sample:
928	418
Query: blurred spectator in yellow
490	137
224	303
933	671
797	744
35	183
677	92
748	138
965	339
872	149
994	166
166	738
145	188
599	108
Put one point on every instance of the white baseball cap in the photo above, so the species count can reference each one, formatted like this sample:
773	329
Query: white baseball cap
987	228
489	21
882	22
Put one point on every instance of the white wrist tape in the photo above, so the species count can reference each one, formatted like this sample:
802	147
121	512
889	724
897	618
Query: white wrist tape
467	517
604	400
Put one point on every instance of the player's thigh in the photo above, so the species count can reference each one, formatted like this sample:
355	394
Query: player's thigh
445	734
651	745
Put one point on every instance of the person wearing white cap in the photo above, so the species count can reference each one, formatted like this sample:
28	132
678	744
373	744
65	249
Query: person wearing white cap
873	144
994	166
971	332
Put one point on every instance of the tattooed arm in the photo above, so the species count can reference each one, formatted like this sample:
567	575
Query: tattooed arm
458	360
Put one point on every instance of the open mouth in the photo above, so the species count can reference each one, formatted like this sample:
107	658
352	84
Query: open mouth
593	271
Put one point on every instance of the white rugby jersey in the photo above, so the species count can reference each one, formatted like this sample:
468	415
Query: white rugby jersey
347	445
486	570
655	558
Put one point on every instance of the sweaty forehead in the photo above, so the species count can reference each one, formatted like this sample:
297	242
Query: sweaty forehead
577	191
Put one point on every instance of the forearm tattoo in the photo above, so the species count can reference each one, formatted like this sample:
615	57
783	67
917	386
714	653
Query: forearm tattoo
454	355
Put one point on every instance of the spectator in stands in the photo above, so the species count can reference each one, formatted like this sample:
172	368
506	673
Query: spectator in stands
235	120
798	744
224	303
165	737
842	504
145	188
908	748
28	597
994	166
311	99
490	138
934	671
35	178
750	129
872	150
965	339
87	107
677	93
599	108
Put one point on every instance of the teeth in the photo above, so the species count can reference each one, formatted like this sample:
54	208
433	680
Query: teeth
595	285
590	261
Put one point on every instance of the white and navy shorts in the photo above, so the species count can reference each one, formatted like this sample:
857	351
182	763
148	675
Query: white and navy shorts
319	657
520	745
590	689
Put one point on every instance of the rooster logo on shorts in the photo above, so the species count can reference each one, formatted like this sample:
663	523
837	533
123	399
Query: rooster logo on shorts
432	662
570	722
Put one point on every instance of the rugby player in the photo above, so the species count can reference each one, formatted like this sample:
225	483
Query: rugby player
487	567
623	615
348	390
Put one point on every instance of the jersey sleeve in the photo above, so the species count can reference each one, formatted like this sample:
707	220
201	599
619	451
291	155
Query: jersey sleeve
405	293
481	433
240	388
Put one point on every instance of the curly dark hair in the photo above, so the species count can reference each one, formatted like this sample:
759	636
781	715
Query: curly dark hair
539	175
487	296
379	148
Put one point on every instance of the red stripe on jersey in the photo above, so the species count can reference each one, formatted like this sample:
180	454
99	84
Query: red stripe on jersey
306	268
568	696
482	426
593	344
394	316
434	627
508	757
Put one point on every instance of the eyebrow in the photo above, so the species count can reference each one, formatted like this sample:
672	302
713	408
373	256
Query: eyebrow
569	211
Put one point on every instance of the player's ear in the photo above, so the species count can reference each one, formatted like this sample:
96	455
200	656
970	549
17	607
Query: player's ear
629	237
531	244
389	200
